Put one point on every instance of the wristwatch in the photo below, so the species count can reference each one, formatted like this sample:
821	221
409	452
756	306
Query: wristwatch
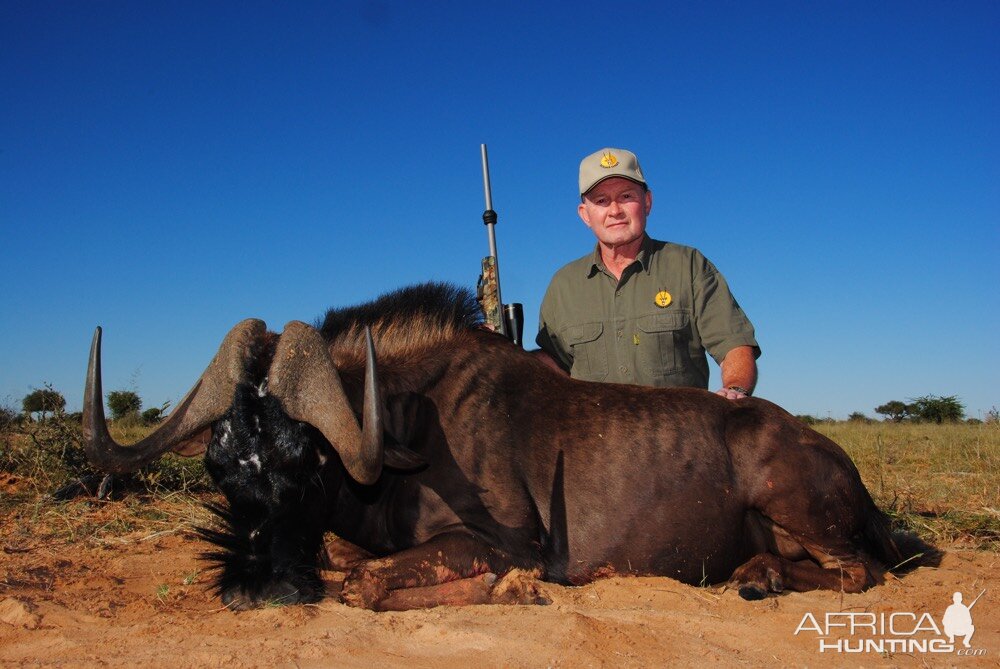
739	389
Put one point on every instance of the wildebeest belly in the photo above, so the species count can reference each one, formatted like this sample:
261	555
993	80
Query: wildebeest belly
693	543
662	515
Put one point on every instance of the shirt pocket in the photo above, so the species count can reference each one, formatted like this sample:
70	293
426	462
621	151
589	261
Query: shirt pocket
590	357
663	343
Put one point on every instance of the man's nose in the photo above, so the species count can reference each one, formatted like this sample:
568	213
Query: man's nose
614	208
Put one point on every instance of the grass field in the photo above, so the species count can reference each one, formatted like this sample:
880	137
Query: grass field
940	481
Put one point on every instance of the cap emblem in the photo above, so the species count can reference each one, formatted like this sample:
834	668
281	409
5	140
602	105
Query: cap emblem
608	160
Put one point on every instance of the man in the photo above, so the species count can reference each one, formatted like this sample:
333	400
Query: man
637	310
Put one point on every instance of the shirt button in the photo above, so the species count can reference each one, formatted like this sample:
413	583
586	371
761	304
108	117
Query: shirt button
623	369
620	333
618	293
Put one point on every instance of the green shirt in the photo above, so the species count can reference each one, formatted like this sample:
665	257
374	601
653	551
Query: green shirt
652	328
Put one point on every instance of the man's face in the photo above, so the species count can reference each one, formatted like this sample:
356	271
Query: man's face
615	210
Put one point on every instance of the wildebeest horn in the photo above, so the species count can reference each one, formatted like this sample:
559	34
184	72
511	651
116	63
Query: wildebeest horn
205	403
304	379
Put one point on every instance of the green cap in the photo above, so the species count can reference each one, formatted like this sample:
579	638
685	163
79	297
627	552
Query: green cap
608	163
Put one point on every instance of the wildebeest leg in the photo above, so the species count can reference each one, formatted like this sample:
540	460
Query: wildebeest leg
785	562
516	587
442	559
766	572
465	591
811	517
341	555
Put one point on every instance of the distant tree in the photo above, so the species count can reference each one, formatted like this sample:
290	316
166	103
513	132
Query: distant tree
893	410
42	401
993	416
154	415
934	409
124	403
807	419
858	417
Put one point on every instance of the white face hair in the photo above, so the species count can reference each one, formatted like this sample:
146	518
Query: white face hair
252	460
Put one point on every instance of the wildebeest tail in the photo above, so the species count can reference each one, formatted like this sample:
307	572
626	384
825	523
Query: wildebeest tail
555	542
895	550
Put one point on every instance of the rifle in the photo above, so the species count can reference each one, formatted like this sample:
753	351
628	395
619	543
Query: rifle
507	319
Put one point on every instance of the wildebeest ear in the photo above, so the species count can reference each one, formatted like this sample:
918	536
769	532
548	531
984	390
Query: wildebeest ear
401	413
195	444
402	416
400	457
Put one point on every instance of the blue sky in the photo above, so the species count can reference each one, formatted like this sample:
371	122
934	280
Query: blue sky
167	169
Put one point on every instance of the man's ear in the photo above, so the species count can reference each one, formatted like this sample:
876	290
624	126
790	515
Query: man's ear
584	215
649	201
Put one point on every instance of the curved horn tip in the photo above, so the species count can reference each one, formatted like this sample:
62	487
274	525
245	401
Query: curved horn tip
373	422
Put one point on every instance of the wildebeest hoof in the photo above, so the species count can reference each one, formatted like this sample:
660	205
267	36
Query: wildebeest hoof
751	592
363	590
518	586
774	581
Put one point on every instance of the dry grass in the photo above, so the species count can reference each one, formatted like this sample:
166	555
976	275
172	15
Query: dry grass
47	486
942	481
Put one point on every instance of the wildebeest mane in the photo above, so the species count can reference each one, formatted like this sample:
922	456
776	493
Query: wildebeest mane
403	321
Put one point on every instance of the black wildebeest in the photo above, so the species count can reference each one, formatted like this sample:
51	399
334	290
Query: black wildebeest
459	454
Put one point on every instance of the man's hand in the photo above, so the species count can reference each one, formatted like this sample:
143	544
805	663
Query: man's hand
734	393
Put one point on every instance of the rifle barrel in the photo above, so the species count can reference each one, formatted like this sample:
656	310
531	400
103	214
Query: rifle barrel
486	178
488	192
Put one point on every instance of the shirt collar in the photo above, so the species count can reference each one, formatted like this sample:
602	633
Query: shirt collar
644	258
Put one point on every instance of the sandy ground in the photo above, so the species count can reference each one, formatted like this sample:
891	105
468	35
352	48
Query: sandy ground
141	599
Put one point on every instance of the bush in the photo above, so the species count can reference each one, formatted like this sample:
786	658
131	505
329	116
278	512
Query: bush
9	418
154	415
123	403
51	456
49	452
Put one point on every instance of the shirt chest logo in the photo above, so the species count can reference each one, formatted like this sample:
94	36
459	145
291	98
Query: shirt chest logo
663	299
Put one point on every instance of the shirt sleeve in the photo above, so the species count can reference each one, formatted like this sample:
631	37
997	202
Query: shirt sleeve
721	323
548	338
